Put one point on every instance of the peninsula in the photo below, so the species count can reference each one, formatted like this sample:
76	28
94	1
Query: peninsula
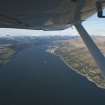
75	54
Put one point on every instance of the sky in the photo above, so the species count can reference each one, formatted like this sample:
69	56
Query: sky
93	25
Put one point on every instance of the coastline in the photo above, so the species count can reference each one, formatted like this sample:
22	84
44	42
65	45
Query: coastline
52	51
86	76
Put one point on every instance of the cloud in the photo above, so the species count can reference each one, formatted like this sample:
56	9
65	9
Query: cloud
26	32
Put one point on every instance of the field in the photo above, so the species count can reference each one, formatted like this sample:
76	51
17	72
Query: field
6	54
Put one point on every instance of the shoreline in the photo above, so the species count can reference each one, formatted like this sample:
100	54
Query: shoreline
86	76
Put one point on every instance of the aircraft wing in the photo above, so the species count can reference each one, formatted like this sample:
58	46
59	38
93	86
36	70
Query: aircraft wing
44	14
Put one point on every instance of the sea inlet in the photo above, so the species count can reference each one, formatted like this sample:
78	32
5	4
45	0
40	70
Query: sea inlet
35	77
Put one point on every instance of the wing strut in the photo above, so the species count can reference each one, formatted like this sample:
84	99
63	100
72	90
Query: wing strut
94	50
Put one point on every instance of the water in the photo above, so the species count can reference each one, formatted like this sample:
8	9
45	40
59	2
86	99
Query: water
35	77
